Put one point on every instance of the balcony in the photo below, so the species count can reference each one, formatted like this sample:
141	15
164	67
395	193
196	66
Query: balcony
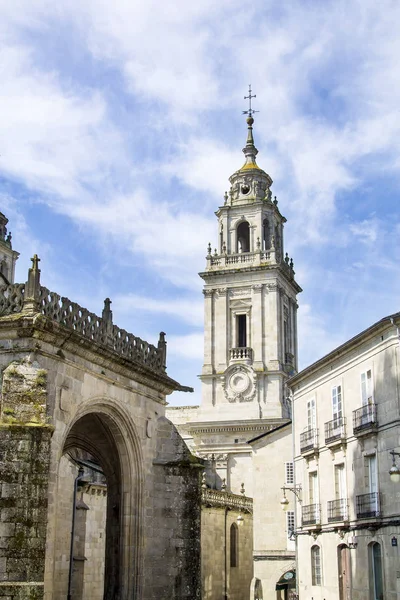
338	510
368	506
241	353
335	431
311	514
309	441
364	419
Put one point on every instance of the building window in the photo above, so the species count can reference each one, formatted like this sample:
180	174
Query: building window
290	523
243	237
234	546
366	388
316	565
241	322
311	414
375	571
313	487
340	482
289	473
337	408
371	484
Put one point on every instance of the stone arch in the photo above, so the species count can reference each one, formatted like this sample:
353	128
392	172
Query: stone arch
243	236
106	431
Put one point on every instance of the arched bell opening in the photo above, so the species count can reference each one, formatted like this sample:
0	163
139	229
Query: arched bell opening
243	237
98	496
266	236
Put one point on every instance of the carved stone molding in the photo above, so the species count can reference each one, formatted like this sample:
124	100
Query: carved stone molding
239	383
221	291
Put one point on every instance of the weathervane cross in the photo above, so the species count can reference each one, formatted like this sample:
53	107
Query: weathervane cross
250	112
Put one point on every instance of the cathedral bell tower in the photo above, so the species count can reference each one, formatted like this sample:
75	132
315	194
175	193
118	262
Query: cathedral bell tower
8	256
250	345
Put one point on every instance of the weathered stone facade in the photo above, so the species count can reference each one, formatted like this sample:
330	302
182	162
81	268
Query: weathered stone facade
72	380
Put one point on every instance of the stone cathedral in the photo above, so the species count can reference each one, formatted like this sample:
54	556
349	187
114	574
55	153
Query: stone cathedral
250	350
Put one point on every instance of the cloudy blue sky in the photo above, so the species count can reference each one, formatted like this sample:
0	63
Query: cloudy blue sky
120	123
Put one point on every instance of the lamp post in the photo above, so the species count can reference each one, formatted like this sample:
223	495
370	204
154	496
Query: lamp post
394	470
296	490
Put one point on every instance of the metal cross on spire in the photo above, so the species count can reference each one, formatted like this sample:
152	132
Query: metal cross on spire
250	112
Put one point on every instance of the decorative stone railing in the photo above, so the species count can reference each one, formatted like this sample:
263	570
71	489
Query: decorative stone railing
11	298
221	499
239	259
241	353
32	298
245	259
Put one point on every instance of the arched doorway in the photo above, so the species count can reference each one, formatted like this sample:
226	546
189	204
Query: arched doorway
344	572
99	437
286	586
375	571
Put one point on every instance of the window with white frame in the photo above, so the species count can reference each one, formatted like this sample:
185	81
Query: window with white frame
371	477
311	414
289	473
337	406
367	388
313	492
290	523
316	572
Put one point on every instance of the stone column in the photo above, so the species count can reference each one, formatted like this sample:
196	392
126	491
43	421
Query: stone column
24	473
257	326
221	333
208	332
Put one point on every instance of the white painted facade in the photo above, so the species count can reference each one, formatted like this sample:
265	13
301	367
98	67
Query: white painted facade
346	420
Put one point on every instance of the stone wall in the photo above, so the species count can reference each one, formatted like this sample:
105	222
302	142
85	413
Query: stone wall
219	578
173	532
66	392
24	465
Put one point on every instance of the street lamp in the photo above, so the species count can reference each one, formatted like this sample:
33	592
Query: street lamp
394	470
295	489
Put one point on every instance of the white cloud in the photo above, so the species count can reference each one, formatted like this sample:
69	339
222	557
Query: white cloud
189	310
366	231
189	346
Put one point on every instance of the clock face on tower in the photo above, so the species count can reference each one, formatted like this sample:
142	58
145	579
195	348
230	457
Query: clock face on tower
239	383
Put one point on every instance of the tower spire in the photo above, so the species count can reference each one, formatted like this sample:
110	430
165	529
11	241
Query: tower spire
250	151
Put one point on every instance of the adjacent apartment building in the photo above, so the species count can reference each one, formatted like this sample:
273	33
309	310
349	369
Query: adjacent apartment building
346	423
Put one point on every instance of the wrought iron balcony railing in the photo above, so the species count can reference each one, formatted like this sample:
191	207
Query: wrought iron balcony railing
308	440
364	418
311	514
241	353
335	430
338	510
368	505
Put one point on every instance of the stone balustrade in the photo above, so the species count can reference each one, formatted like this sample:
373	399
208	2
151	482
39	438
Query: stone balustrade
241	353
32	298
222	499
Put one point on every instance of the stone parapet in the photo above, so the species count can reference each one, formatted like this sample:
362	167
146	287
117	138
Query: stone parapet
100	330
221	499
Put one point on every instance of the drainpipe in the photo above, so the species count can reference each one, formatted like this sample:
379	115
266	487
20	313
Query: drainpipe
295	500
71	551
226	557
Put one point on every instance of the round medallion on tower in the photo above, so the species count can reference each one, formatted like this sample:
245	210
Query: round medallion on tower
239	383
